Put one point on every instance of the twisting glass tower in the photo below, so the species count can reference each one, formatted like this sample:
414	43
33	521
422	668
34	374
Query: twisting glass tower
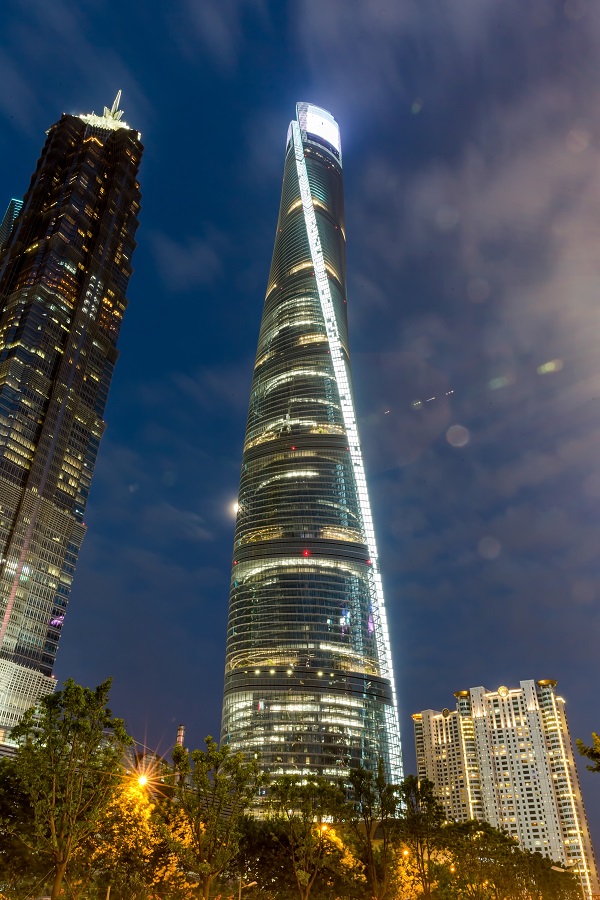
65	263
309	685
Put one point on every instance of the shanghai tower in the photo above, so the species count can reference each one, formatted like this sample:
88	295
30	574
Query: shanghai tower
65	263
309	685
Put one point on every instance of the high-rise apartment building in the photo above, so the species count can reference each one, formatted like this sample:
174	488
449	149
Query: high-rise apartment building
309	685
505	757
64	270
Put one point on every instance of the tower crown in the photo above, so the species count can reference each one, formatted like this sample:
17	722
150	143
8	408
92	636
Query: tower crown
111	119
318	126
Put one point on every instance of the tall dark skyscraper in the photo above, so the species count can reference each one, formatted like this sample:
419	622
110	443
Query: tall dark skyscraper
309	684
64	270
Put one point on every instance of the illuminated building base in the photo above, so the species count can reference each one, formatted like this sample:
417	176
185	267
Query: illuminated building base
20	689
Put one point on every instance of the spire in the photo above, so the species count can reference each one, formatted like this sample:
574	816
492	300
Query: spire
114	112
111	119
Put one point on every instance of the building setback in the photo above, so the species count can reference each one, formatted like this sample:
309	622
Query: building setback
308	681
505	757
65	263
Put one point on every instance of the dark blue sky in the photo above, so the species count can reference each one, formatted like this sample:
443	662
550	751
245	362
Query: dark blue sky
471	140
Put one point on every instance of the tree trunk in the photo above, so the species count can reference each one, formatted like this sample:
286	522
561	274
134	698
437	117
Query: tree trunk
59	874
206	883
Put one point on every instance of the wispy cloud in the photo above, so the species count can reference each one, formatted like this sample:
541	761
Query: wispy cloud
52	62
190	262
215	27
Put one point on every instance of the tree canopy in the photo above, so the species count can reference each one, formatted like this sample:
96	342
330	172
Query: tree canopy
592	752
76	820
214	788
67	764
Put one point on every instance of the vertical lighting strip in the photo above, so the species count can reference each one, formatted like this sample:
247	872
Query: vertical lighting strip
339	368
583	866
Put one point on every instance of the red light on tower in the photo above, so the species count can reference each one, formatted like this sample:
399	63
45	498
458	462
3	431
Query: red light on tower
293	448
306	553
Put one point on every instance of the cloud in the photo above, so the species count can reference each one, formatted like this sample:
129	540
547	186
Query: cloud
18	101
175	523
219	389
53	61
217	26
194	262
377	58
473	235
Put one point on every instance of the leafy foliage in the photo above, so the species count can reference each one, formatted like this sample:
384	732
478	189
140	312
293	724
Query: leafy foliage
67	764
483	863
214	788
592	753
303	811
371	818
21	868
419	830
75	819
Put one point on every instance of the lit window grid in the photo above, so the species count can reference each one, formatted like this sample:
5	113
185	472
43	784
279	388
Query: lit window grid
270	620
513	753
345	395
294	730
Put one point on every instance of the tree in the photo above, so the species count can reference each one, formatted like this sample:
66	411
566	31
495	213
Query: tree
21	869
214	788
68	765
264	857
592	752
371	817
547	880
304	810
419	829
120	853
484	863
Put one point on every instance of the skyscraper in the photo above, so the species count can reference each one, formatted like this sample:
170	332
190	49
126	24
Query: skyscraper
8	222
309	685
505	757
64	270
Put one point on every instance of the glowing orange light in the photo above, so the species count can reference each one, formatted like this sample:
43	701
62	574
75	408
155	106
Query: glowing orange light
143	780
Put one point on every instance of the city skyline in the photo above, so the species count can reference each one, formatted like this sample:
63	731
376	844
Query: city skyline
309	682
471	162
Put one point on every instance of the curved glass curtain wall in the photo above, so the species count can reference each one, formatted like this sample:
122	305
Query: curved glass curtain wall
308	681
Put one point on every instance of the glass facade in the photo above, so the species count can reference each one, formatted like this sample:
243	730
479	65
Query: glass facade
64	270
8	222
308	681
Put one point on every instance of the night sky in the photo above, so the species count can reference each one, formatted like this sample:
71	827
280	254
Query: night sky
471	142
